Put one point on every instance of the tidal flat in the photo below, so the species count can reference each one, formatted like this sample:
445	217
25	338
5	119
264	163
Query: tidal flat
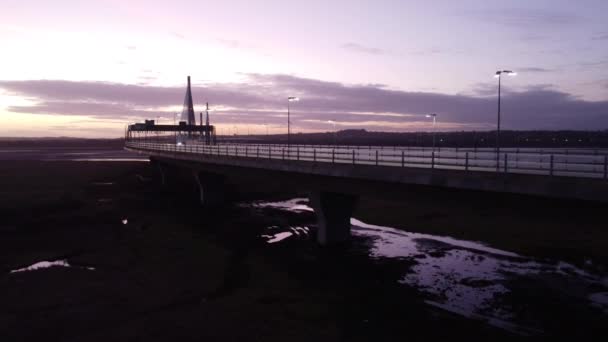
129	259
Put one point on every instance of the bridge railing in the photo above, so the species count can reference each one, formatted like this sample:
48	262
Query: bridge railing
490	150
589	165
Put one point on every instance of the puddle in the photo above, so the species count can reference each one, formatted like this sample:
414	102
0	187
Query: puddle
142	178
47	264
274	234
82	153
600	300
466	277
295	205
470	278
108	159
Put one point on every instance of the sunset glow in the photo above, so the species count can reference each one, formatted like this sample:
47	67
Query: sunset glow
359	63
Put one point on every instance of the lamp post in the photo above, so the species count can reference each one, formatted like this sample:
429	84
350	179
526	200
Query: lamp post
434	116
289	99
499	76
175	130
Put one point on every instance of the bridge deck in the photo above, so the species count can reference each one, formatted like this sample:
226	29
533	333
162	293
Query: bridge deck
580	176
580	163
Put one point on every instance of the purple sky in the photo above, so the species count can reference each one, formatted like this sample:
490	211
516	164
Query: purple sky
86	68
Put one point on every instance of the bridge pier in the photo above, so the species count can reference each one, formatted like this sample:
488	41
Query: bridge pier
211	187
163	170
333	211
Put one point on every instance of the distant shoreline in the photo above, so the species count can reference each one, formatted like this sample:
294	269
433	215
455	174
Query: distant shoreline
480	139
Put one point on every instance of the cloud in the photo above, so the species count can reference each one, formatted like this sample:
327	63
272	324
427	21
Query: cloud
527	18
262	99
236	44
114	111
601	36
534	70
532	37
230	43
434	51
602	63
358	48
146	79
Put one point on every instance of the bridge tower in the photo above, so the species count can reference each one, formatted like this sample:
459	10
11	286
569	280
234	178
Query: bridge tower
188	109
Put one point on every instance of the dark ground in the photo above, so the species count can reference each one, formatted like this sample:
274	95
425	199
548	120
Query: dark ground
573	231
177	271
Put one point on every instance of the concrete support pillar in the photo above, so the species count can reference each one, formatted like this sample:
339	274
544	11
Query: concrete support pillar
333	211
211	187
163	170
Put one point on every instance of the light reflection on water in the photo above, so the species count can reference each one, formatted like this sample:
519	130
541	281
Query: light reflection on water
109	159
460	276
47	264
294	205
275	234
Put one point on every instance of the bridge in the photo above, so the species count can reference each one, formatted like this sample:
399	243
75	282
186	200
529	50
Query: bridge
335	176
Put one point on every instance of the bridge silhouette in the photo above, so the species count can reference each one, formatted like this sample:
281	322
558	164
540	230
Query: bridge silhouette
336	176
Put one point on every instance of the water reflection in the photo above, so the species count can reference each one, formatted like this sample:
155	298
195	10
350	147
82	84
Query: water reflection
295	205
108	159
47	264
43	264
464	277
275	234
600	300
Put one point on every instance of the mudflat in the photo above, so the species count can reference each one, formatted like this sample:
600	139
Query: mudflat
146	262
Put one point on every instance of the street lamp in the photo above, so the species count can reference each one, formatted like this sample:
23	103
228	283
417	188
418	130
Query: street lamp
289	99
499	76
175	130
434	116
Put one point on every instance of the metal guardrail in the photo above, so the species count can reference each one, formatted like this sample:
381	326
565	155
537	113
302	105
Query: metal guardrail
517	150
570	164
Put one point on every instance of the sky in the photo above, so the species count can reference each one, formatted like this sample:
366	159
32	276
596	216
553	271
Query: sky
88	68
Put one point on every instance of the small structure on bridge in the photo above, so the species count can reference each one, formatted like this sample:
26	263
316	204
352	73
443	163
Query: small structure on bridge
186	131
